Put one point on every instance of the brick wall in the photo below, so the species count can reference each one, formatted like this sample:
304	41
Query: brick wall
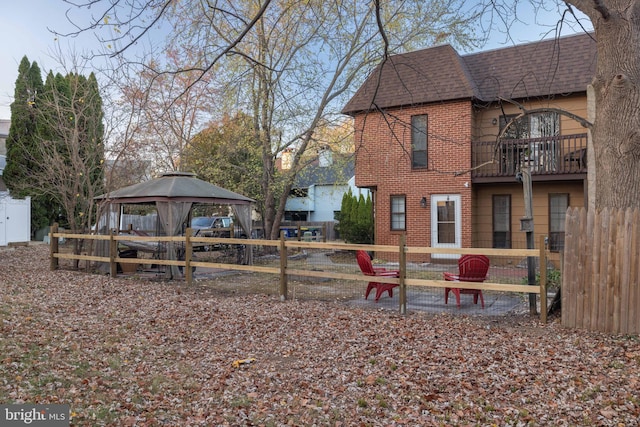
383	163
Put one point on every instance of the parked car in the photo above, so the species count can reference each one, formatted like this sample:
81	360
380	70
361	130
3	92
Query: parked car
214	226
206	226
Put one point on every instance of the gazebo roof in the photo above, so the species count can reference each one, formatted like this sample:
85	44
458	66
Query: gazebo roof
175	186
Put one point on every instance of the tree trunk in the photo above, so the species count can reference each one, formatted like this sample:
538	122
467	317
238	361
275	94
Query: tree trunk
616	129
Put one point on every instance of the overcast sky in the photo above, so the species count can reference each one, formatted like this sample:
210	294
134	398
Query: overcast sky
24	31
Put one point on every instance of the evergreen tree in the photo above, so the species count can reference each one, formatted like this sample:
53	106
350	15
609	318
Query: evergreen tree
55	146
365	220
71	131
370	219
22	146
356	219
344	216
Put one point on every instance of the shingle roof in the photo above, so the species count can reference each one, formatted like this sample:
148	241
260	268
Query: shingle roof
338	173
549	67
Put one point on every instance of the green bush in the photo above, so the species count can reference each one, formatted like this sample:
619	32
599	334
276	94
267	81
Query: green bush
554	279
356	219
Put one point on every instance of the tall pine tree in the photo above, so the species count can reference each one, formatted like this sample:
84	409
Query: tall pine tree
55	151
71	131
22	146
356	219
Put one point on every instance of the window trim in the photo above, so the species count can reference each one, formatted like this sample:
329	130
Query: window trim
509	240
393	214
414	129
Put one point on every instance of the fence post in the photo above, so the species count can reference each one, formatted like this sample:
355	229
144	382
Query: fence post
283	268
403	272
543	281
188	253
113	250
53	247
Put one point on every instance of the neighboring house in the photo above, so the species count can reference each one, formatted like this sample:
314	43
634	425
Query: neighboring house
317	192
426	130
15	214
4	133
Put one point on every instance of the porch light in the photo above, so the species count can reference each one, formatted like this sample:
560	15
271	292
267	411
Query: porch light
423	202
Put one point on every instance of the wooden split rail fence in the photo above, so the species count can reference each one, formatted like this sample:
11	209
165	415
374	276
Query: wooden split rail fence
283	270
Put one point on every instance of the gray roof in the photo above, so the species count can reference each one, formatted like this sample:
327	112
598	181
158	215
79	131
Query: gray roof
549	67
177	186
338	173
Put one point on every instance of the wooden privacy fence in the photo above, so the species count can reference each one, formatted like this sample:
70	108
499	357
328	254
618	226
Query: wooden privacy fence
601	277
284	271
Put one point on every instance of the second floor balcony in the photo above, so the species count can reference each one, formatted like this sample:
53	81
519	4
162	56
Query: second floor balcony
548	158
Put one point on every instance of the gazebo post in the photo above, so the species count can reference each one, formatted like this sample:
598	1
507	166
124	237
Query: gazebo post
188	253
113	252
283	268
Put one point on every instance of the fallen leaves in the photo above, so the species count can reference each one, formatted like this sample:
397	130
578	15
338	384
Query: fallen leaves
126	352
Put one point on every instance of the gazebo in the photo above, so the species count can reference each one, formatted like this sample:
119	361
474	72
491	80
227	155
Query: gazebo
173	195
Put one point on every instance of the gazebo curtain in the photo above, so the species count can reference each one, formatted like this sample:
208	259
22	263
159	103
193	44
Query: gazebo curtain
172	215
109	219
243	217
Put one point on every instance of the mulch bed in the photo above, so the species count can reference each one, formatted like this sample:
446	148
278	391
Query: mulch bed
125	352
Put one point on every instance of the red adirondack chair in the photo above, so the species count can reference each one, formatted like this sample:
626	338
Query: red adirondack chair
364	261
471	268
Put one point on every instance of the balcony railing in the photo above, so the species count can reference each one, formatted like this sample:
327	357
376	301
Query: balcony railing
544	156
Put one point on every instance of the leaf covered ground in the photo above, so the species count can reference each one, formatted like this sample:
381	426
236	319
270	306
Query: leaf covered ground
125	352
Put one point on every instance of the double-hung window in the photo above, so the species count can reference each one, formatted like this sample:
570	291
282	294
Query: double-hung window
502	221
398	213
558	204
419	145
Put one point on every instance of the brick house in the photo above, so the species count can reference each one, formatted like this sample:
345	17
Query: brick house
426	127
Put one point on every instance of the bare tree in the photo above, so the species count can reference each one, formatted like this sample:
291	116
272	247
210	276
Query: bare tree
69	150
616	93
289	65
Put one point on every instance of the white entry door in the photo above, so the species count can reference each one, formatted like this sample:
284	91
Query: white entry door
446	224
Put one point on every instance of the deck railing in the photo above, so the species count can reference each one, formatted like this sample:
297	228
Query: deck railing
556	155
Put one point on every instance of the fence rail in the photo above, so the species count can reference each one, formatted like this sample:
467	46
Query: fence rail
283	245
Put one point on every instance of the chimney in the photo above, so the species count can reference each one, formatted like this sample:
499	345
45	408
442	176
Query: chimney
287	159
325	157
